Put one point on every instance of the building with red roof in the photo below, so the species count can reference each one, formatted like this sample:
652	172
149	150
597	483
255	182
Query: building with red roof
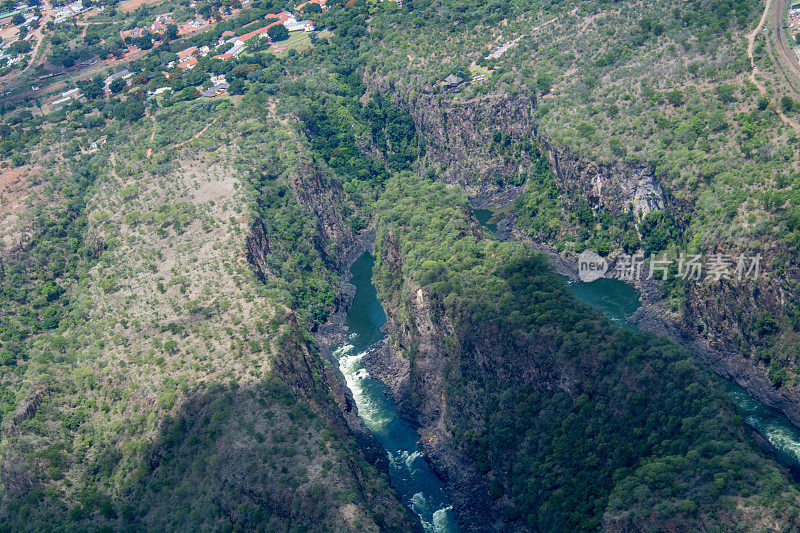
189	64
282	17
184	55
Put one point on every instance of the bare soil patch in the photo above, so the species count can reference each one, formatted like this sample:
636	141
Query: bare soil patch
130	5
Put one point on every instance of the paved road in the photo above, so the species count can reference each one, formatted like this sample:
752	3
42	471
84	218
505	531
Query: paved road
785	48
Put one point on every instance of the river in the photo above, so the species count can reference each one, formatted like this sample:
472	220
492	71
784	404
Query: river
618	301
419	487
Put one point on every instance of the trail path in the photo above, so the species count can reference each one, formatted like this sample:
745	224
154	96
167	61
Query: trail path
195	137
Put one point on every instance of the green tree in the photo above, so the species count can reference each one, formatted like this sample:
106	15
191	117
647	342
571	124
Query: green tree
617	148
278	32
725	92
544	82
236	86
675	97
117	85
171	32
657	230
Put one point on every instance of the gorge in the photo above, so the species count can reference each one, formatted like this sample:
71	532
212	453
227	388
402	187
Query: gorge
419	487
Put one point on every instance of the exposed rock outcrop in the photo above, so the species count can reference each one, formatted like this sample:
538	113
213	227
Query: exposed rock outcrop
323	196
458	134
257	246
617	187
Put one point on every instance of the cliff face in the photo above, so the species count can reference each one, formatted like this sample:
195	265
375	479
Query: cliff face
257	246
415	369
458	136
617	187
720	324
323	197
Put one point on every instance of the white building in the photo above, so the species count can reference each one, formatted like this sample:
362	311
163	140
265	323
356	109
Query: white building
124	74
67	11
292	24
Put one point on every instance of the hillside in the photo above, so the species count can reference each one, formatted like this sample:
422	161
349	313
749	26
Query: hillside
175	266
143	359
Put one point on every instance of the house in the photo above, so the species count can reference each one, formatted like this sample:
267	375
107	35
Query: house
124	74
321	3
224	56
216	90
261	32
67	11
60	103
237	48
215	80
66	98
282	17
227	33
186	55
190	64
160	90
452	81
292	24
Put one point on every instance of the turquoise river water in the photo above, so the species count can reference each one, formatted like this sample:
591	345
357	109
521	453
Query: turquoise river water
419	487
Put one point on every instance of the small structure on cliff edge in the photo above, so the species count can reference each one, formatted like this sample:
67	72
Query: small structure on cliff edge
451	81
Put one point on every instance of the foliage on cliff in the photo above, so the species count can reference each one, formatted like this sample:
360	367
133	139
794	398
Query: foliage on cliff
576	421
